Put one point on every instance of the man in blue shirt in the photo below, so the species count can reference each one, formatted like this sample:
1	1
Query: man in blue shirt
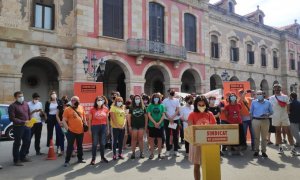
260	111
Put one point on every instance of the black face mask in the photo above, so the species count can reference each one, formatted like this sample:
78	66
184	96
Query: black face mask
113	97
172	93
190	102
76	104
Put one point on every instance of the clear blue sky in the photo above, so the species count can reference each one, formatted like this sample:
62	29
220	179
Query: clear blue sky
278	13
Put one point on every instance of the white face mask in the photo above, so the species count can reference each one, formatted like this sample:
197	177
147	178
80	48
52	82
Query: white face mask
20	99
212	101
137	101
100	103
156	100
119	104
35	101
201	108
53	96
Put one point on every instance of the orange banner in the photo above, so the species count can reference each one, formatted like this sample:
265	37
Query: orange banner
87	92
235	86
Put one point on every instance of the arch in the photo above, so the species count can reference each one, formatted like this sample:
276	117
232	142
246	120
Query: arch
216	82
252	84
264	86
234	78
215	32
164	69
155	80
191	80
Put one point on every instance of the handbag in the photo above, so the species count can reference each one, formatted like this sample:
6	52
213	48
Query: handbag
281	103
85	127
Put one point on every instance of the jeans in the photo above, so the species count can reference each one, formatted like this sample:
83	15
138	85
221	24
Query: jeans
21	133
261	129
51	121
60	137
36	130
295	132
98	136
174	134
118	136
247	124
71	138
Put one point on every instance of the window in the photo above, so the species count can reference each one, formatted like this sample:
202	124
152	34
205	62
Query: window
260	19
234	51
156	22
230	7
263	57
214	47
43	14
113	21
275	60
250	54
190	32
292	62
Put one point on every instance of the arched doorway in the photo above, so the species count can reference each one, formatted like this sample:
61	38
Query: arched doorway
113	79
215	82
155	80
190	81
252	84
41	76
264	87
234	78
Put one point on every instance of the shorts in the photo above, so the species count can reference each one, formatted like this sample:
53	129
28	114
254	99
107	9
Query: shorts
280	122
137	128
155	132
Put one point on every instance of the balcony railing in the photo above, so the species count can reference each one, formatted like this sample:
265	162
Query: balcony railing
157	50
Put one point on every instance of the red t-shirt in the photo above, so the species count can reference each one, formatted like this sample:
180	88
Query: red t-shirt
234	113
99	116
198	118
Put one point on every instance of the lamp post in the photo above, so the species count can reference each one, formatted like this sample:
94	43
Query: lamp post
225	76
91	67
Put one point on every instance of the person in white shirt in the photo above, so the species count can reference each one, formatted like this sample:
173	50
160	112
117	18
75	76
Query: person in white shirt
280	118
172	106
184	114
36	111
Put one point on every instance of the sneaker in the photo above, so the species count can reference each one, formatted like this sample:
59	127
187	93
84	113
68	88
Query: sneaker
25	160
284	141
132	156
66	164
256	154
18	164
92	162
81	161
58	152
176	154
294	152
39	153
280	150
160	157
270	142
167	153
104	160
114	157
264	155
151	156
142	156
121	156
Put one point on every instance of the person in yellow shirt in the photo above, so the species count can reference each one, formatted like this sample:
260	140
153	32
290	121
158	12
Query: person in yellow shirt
118	122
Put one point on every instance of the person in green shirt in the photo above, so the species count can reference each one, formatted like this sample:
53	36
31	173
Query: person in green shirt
156	113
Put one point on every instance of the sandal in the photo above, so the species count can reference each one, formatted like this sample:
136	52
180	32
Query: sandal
142	156
151	156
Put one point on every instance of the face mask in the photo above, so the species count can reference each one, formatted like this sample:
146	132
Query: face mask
76	104
190	102
232	98
201	108
260	97
156	100
145	102
172	93
53	96
113	97
119	104
212	101
20	99
99	103
35	101
137	101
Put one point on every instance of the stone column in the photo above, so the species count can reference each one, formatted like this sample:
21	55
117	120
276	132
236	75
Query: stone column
135	86
66	87
9	83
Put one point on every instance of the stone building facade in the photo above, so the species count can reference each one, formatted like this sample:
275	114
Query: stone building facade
148	46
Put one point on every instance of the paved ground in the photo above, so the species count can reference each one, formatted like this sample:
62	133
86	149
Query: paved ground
277	167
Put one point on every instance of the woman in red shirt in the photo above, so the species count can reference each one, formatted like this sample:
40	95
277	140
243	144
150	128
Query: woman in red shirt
200	116
233	115
98	121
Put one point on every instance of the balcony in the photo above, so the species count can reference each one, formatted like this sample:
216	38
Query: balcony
151	49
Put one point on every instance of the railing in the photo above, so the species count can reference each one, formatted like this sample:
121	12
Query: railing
155	49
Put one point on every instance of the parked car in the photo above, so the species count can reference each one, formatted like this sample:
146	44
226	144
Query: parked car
6	126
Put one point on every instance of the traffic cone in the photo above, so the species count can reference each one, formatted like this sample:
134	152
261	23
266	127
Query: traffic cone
51	153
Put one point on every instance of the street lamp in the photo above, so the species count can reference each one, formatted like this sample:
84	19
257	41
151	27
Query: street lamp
225	76
91	67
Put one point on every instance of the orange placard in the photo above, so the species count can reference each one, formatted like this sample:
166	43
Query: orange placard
87	92
235	86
